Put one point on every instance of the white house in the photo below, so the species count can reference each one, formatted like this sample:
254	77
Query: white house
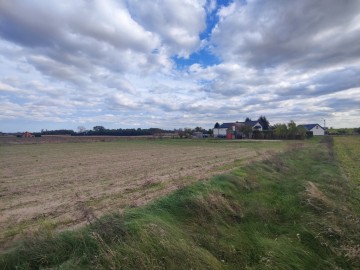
255	125
316	129
221	131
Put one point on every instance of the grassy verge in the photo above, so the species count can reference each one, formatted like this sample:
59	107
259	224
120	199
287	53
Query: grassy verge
292	211
347	150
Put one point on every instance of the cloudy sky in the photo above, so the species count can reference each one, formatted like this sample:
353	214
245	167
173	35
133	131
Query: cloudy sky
177	63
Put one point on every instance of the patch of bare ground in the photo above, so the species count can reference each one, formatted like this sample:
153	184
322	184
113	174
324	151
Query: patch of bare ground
44	139
64	185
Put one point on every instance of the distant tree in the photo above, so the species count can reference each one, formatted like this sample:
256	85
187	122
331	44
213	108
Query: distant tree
247	119
188	132
264	122
292	129
58	132
247	130
280	131
357	130
301	132
98	129
217	125
181	133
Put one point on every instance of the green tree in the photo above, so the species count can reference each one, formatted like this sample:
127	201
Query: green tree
98	128
280	131
296	132
187	132
217	125
264	122
247	119
247	130
301	132
292	130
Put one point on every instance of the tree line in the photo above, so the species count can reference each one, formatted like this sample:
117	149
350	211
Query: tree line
102	131
289	131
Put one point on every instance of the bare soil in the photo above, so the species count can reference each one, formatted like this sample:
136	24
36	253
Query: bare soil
63	185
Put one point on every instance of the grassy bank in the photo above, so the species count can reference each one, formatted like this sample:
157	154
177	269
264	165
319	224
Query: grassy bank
296	210
347	150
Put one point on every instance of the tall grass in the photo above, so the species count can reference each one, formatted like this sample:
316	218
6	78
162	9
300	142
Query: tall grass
291	211
347	151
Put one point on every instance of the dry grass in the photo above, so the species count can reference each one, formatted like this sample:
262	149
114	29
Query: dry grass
69	184
315	198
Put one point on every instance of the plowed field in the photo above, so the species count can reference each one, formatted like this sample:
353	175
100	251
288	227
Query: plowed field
56	186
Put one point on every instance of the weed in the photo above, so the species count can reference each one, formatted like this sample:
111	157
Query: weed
87	212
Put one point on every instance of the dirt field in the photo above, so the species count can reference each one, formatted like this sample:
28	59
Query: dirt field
69	139
63	185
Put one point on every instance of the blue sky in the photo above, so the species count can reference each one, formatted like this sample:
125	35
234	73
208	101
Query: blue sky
175	64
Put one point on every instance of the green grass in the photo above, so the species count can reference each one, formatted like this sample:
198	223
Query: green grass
292	211
347	151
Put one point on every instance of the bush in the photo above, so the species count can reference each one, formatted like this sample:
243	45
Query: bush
309	134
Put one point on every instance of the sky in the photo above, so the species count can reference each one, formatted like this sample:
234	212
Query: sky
177	63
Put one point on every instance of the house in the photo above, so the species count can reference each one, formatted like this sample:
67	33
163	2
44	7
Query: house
255	125
197	135
316	129
236	130
27	135
222	130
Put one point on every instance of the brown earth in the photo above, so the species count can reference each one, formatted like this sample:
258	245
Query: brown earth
64	185
69	139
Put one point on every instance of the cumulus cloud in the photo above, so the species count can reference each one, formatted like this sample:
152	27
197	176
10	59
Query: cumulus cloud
177	22
148	63
302	34
81	34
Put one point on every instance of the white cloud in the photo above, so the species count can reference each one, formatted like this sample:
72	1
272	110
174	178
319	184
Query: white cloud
211	6
178	23
303	34
115	62
8	88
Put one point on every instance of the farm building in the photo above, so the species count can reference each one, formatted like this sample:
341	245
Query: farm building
236	129
27	135
198	135
316	129
221	131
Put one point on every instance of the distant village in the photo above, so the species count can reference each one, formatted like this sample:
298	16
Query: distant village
247	129
261	129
